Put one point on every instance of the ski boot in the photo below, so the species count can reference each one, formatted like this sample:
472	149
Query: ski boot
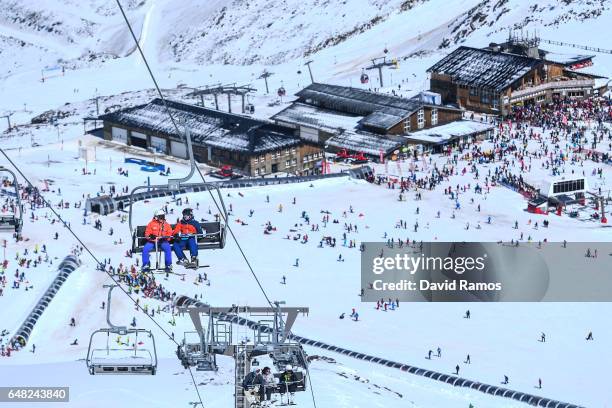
183	262
146	268
194	262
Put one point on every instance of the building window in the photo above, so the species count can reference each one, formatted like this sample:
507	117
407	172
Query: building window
568	186
473	91
294	162
256	160
434	116
257	172
293	150
407	125
262	158
485	97
421	119
287	163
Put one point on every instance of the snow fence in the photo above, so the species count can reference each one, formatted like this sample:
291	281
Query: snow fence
65	268
105	205
453	380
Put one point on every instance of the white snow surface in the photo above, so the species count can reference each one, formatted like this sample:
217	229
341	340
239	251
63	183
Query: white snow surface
501	338
202	43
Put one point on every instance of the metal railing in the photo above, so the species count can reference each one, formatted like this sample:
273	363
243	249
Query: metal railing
572	83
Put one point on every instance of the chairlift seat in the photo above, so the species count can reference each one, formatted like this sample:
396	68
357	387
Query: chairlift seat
10	223
301	381
213	239
129	369
115	361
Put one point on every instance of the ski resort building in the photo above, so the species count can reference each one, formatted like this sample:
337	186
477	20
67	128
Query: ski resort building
451	134
494	79
558	193
254	147
340	117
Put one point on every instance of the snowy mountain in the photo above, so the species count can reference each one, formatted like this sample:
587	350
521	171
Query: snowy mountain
221	41
268	32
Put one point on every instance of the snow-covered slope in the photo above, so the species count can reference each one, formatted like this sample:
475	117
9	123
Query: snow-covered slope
500	338
203	42
233	41
269	32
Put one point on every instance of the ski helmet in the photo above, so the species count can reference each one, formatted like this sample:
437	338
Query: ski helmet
188	211
288	367
160	213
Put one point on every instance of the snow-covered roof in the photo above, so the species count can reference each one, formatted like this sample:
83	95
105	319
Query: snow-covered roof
445	133
256	140
379	110
368	143
381	120
207	127
566	59
484	68
327	120
357	101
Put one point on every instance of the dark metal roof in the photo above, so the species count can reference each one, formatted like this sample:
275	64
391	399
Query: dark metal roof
327	120
564	199
368	143
381	120
207	126
366	101
484	68
539	200
380	110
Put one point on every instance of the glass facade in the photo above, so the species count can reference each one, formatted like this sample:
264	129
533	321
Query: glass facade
568	186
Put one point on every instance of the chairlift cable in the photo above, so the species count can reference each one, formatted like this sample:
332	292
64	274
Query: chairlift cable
221	213
59	217
175	125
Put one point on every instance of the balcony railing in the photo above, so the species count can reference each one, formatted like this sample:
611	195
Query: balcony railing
572	83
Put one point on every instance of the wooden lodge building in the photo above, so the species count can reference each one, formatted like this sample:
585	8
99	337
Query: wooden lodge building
493	79
254	147
340	117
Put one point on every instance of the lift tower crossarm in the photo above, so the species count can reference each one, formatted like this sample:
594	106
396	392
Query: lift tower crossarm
378	64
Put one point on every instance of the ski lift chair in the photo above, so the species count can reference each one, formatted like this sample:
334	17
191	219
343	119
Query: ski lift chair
133	360
196	354
293	354
12	222
364	78
281	91
215	231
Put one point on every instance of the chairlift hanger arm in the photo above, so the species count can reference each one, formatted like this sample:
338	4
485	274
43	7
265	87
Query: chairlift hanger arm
208	186
176	183
113	328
